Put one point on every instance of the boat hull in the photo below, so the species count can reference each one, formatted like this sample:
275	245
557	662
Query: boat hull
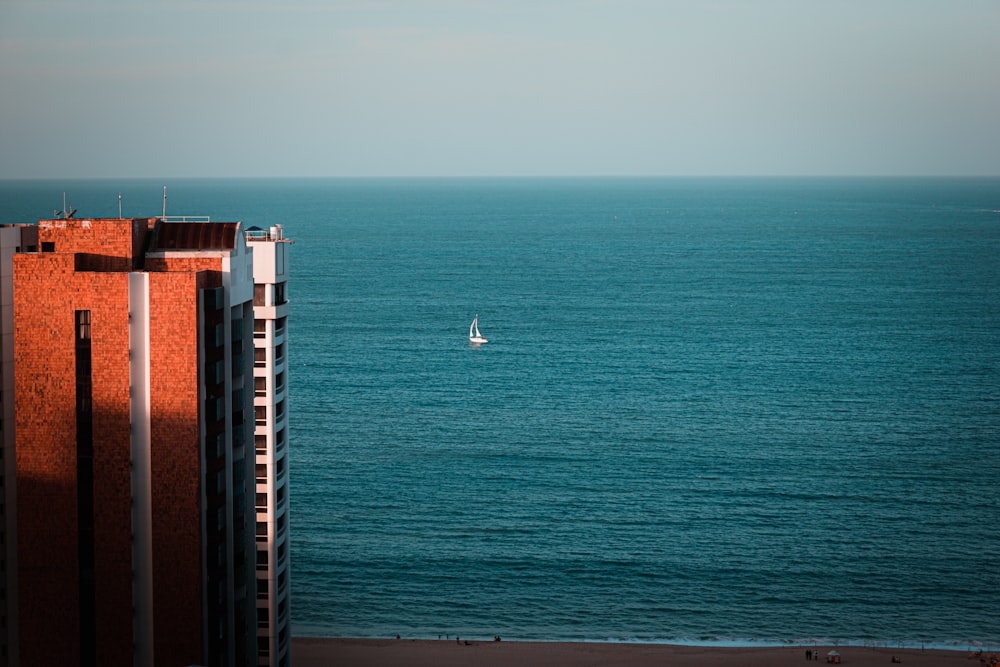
477	340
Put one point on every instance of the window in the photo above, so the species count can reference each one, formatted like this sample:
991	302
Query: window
214	298
260	471
260	443
279	410
83	324
260	386
219	481
216	409
260	413
279	381
262	559
281	496
238	358
48	246
259	328
216	372
259	357
262	529
279	352
262	500
238	433
280	468
219	448
279	324
279	294
258	295
262	589
263	617
279	440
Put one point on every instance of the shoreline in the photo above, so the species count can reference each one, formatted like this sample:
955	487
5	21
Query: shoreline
322	651
804	642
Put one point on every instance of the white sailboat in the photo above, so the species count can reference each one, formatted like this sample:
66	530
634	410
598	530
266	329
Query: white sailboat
474	335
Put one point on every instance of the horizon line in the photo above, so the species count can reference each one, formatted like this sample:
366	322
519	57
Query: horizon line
503	177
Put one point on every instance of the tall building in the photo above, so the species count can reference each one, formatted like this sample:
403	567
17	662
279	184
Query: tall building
133	343
270	375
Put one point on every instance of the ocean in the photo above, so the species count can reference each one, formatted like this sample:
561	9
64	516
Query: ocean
709	411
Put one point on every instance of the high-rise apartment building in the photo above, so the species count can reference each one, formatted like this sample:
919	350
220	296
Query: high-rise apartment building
135	391
270	376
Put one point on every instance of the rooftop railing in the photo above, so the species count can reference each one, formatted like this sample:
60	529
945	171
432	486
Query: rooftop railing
276	233
186	218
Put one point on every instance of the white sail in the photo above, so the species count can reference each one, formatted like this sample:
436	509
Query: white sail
474	335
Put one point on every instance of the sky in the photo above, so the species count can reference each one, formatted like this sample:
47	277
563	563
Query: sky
442	88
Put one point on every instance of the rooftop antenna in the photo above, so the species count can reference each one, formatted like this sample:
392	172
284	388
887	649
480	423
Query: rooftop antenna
164	201
66	213
119	204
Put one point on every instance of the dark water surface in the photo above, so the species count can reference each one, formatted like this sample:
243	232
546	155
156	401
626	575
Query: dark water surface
709	410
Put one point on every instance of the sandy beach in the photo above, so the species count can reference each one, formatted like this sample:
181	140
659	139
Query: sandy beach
315	652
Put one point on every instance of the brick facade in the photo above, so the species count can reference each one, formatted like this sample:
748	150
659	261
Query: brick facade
176	464
45	373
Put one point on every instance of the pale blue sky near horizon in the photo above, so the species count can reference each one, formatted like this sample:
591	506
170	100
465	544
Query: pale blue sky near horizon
348	88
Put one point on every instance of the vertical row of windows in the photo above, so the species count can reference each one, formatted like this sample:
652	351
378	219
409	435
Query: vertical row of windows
271	618
242	510
217	450
85	488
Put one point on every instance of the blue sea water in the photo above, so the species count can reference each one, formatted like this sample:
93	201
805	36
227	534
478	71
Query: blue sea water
710	410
